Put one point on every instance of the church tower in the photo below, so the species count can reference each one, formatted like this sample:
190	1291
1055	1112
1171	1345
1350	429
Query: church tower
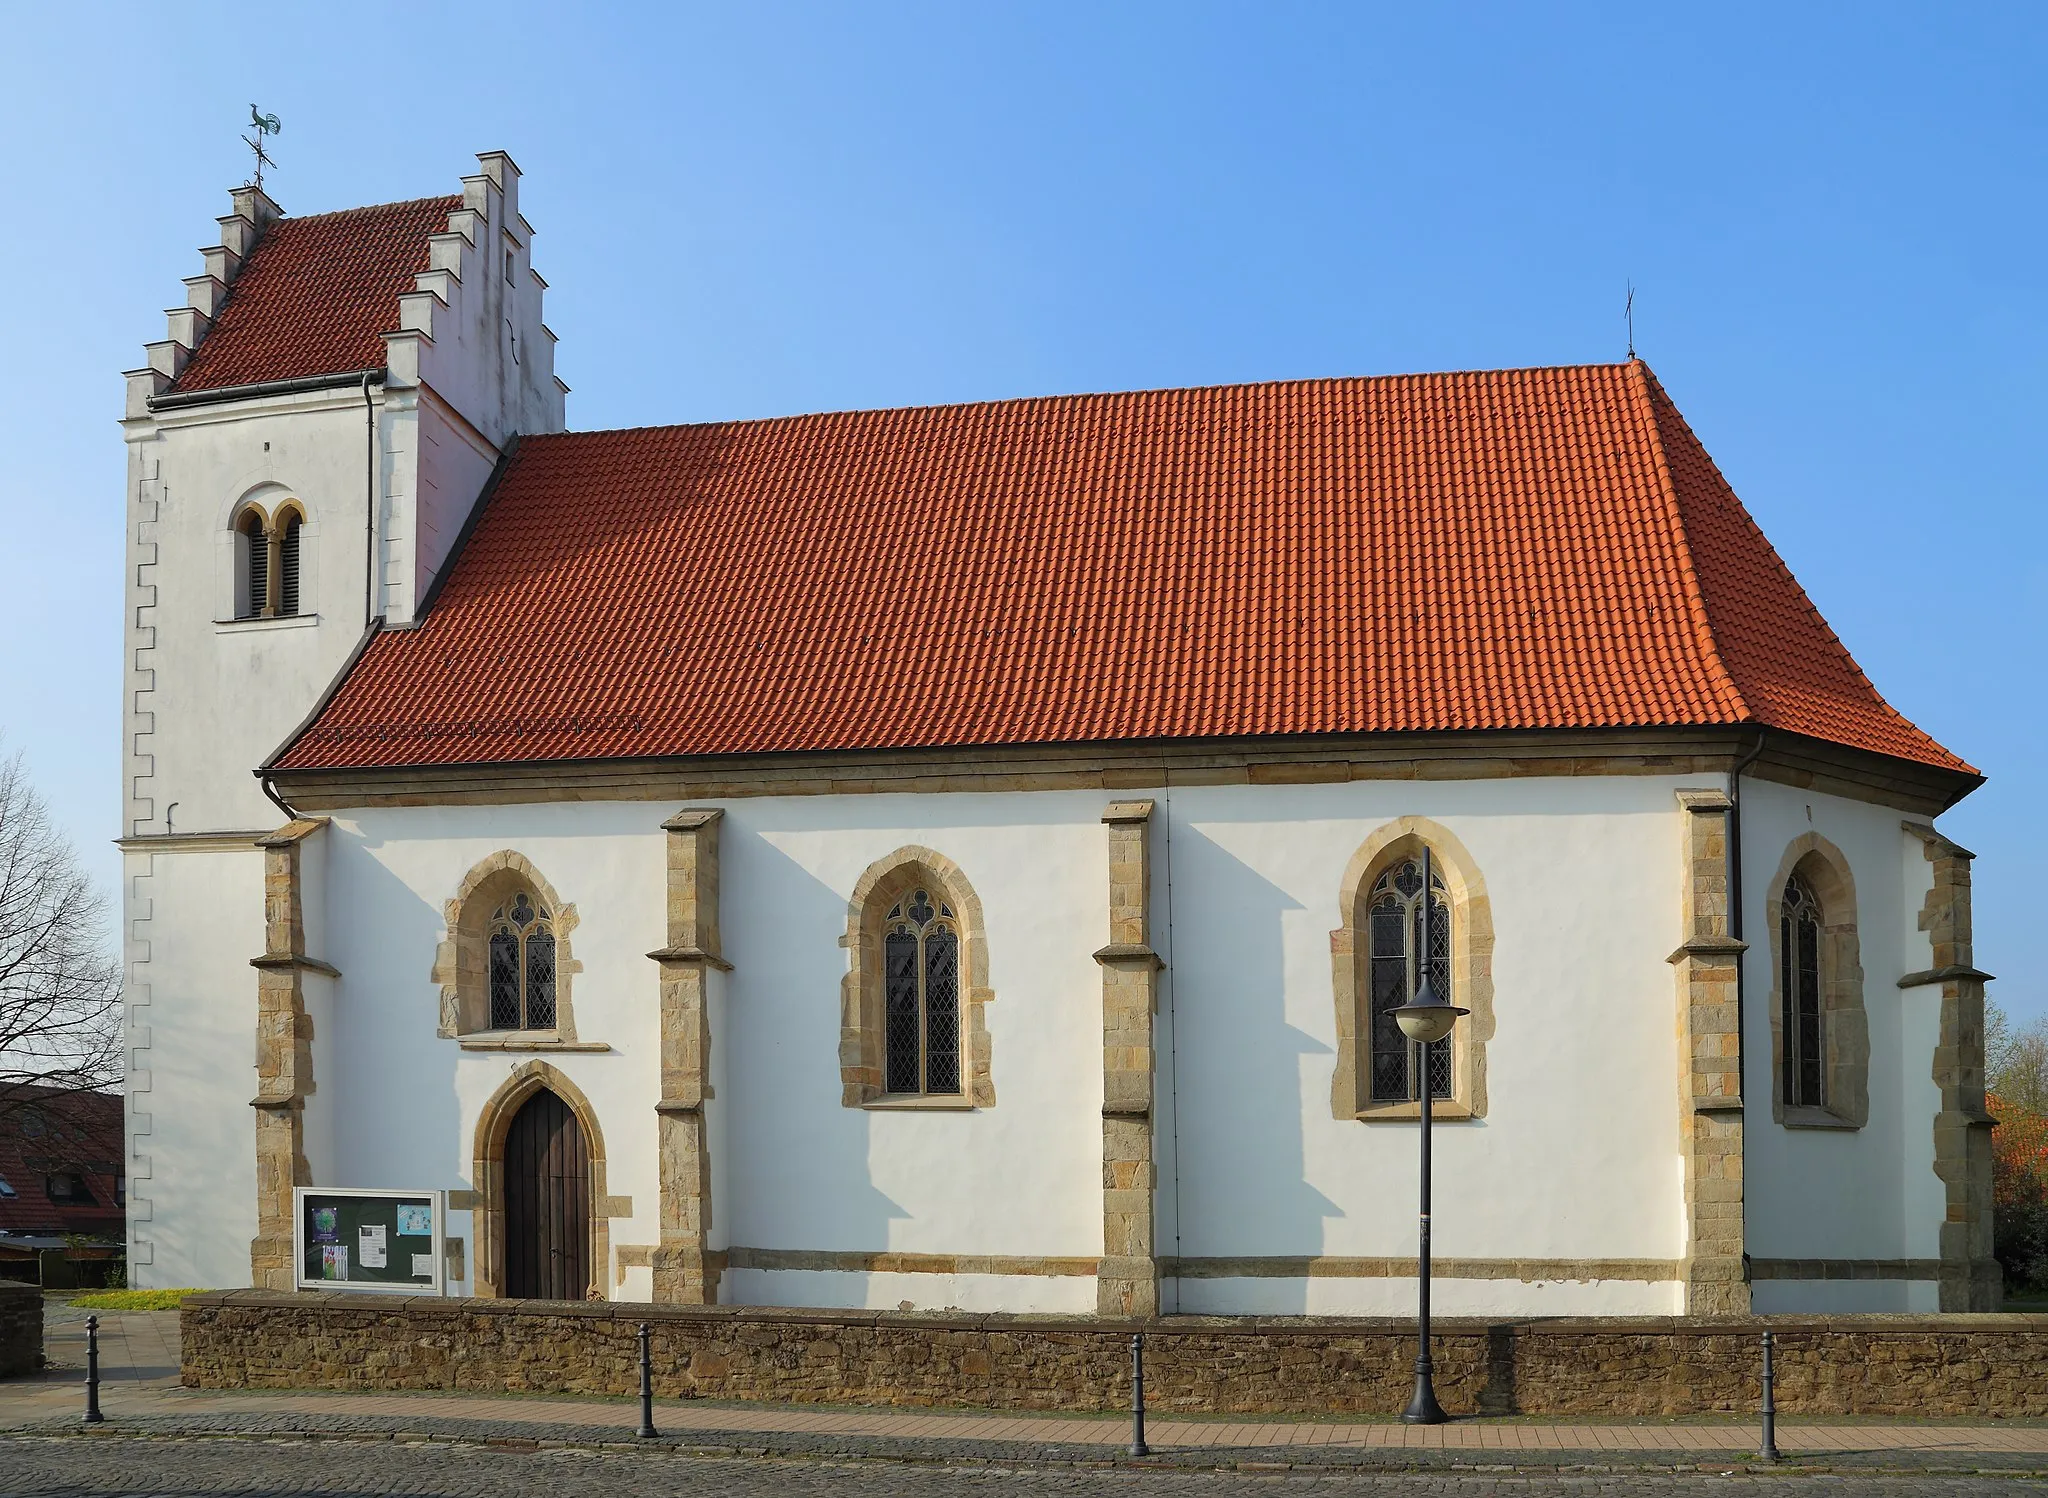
305	447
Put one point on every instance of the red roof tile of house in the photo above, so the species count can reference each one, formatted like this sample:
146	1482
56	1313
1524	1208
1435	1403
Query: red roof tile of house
1520	549
317	295
57	1134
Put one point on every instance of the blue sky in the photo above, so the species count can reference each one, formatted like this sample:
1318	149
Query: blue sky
1834	216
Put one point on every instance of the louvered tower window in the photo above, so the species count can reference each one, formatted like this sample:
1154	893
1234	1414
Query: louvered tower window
1799	983
1395	915
522	958
921	996
288	566
252	554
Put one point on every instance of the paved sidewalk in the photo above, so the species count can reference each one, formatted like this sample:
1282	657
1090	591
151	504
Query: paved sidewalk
140	1391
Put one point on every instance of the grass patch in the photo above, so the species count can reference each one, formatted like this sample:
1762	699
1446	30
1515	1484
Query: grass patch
131	1300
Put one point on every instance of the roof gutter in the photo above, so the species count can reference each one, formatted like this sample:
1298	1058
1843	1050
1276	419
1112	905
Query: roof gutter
180	398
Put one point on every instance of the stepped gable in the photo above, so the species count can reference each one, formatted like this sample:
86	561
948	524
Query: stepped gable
316	295
1520	549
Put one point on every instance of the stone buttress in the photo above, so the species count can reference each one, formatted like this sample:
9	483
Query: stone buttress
683	1270
1127	1279
284	1053
1710	1063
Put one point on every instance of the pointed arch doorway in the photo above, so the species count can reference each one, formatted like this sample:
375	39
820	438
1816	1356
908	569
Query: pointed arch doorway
547	1202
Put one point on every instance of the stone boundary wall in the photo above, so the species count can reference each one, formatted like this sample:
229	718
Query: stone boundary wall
21	1328
1853	1365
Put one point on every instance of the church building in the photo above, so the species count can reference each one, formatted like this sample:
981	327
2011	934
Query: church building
967	856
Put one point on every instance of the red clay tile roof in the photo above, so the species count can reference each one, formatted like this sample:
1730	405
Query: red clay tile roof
1522	549
60	1133
317	295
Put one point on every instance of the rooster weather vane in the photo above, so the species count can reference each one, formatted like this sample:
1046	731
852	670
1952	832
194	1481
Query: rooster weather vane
263	124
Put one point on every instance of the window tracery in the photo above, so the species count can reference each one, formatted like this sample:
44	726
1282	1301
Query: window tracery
912	1029
522	952
1397	963
506	964
921	996
1377	965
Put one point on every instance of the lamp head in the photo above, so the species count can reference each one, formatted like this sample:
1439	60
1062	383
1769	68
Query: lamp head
1427	1018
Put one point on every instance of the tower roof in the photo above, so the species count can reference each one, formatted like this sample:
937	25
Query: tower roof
1515	549
316	296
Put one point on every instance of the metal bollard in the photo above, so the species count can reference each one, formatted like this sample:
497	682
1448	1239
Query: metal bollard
647	1431
1769	1449
1138	1446
92	1371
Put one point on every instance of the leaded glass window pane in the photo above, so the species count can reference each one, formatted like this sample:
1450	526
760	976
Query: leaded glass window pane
1799	979
941	1011
504	981
1396	959
900	1017
540	980
1389	991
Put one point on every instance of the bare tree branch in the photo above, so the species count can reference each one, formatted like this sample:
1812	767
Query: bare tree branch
60	983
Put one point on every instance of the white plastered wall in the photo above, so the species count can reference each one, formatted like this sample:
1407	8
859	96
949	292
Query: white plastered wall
192	1034
1576	1159
1869	1193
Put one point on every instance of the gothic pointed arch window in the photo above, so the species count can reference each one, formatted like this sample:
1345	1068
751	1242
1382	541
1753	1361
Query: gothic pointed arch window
912	1029
921	996
1401	951
1820	1033
1799	928
505	963
1378	960
522	955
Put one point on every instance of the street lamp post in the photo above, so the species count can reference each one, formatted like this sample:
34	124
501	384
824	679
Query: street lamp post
1425	1019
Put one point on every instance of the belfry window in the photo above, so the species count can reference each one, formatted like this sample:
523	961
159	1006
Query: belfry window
288	563
252	559
269	578
1799	988
1394	915
522	965
921	995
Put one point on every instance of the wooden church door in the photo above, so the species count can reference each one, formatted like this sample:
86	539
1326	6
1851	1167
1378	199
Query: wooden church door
547	1203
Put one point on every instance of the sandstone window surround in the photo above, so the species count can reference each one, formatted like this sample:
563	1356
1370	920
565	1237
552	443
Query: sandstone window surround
1470	967
1814	888
930	953
269	576
488	960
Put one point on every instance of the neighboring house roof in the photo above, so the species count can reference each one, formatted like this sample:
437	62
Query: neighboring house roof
60	1133
1517	549
317	295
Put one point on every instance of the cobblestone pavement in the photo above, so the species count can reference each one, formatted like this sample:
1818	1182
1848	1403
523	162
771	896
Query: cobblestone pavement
73	1466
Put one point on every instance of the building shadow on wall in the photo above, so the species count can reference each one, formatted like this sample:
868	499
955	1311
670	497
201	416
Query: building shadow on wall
1241	1092
392	1095
799	1177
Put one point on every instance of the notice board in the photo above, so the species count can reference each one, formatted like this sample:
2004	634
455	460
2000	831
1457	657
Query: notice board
346	1238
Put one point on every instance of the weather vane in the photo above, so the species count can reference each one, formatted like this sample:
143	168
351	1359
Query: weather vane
1628	312
265	124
